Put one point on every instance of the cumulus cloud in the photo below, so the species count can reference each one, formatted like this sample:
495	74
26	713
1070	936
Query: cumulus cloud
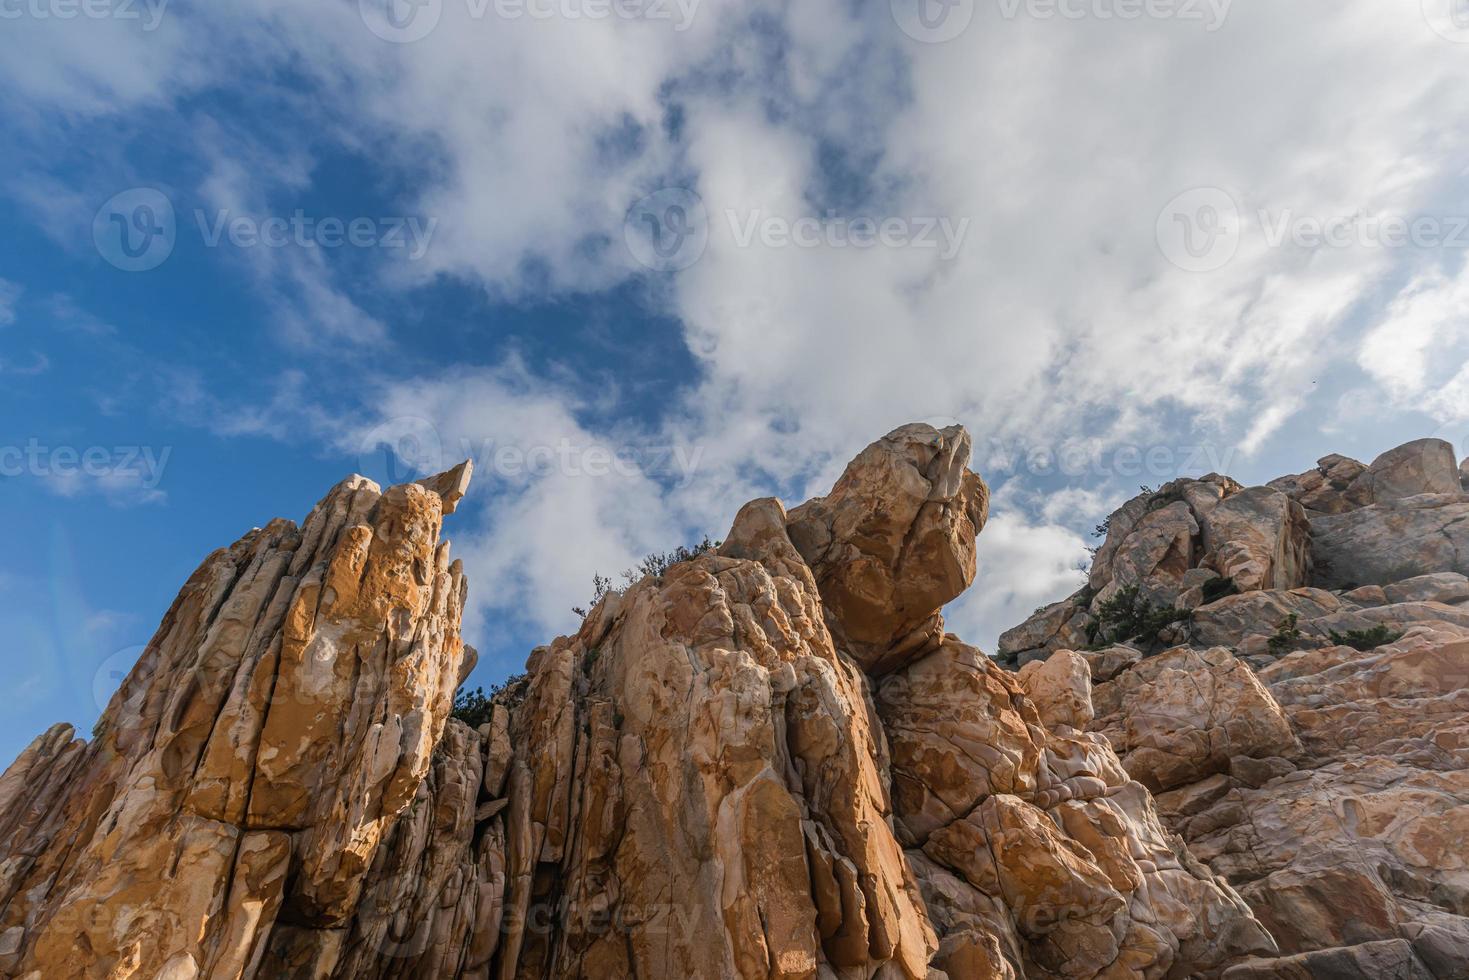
559	501
1093	229
1022	566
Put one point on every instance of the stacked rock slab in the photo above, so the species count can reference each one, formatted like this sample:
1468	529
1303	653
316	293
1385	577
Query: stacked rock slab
769	761
1309	737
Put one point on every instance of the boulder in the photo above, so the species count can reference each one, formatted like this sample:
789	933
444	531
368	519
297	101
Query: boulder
1389	542
1061	689
1323	489
894	542
1182	716
1424	466
1258	539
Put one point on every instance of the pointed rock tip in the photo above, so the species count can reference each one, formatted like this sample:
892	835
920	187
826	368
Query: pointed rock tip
451	485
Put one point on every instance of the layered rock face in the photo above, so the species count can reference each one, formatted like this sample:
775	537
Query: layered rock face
770	761
226	817
1306	729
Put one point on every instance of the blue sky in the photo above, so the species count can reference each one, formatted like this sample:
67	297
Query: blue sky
649	261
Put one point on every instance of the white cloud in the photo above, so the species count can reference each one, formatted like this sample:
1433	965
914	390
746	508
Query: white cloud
1022	566
119	487
1417	351
560	501
1059	143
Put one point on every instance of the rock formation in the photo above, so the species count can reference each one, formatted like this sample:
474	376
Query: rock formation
772	760
1306	729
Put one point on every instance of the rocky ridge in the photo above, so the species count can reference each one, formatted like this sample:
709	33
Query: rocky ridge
1302	711
773	760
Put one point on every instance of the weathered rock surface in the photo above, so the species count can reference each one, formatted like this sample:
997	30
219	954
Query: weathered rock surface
1308	733
1175	547
769	761
1393	540
226	818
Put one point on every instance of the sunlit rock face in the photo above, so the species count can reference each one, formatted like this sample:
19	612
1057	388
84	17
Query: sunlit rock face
772	759
228	815
1306	731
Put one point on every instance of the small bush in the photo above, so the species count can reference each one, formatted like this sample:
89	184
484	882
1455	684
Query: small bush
1287	636
510	692
1364	640
1219	588
473	707
656	565
1129	616
1158	499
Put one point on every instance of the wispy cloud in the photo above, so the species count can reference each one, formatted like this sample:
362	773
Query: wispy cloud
9	296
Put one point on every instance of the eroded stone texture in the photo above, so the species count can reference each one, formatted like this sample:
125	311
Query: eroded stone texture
770	761
246	772
894	541
1312	743
1182	547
